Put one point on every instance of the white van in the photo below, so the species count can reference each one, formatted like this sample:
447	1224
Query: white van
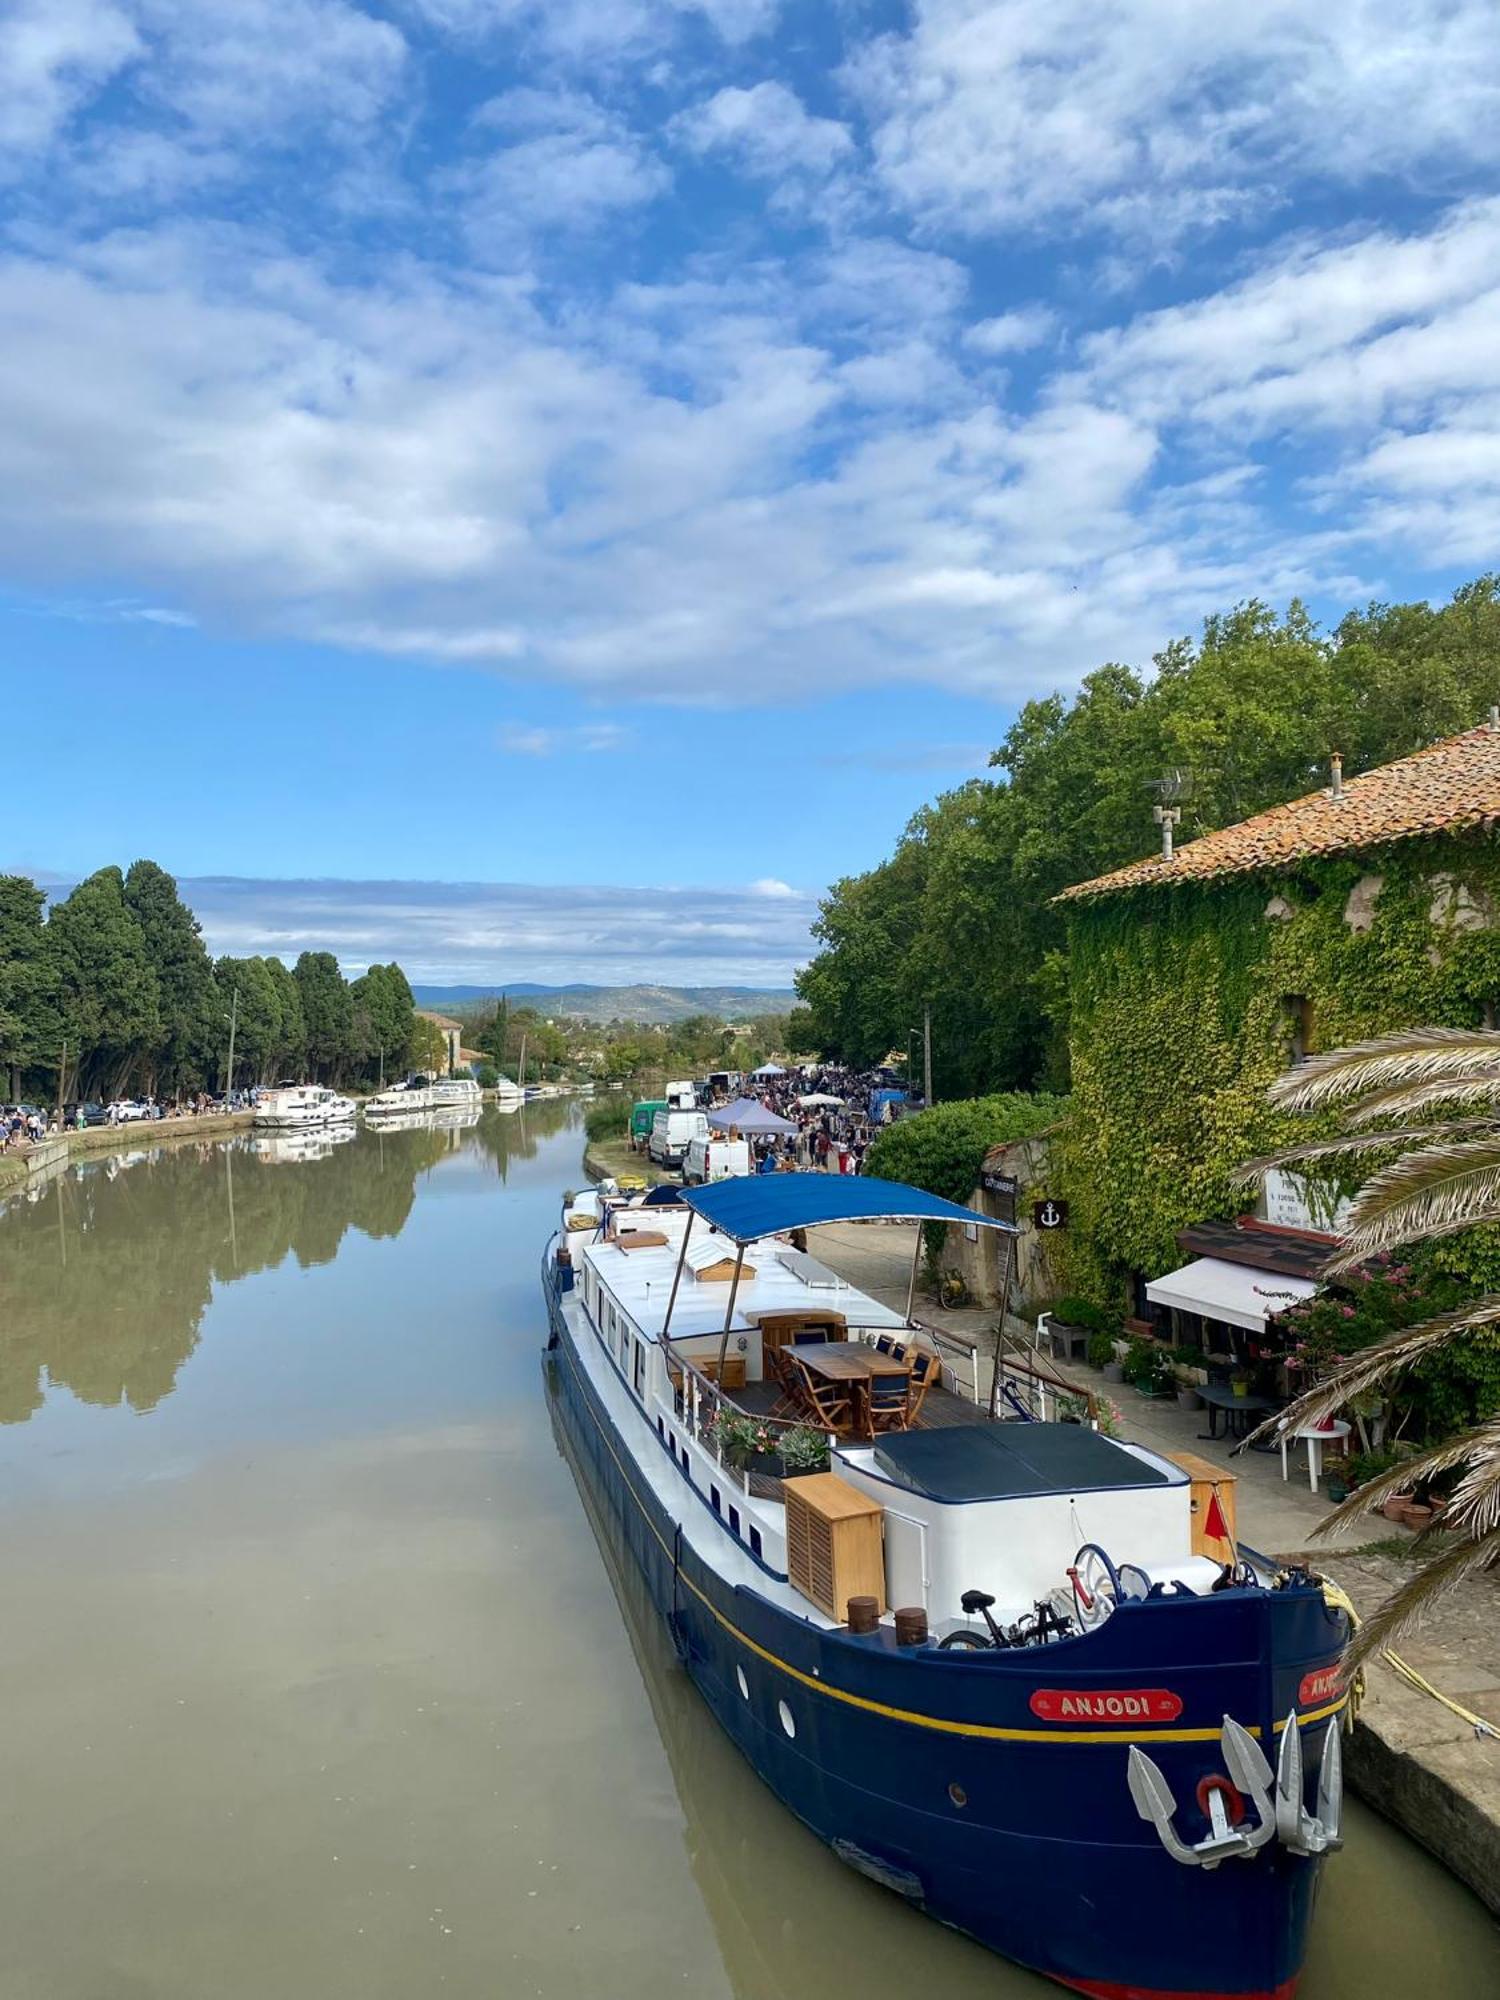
672	1132
714	1159
681	1096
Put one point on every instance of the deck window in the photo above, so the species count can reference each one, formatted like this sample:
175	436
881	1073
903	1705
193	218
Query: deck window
734	1520
717	1503
755	1541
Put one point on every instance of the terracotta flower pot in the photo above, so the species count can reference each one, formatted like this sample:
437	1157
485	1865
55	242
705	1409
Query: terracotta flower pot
1394	1506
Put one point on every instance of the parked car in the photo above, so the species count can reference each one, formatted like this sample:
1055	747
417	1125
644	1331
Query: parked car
93	1113
672	1132
127	1110
714	1159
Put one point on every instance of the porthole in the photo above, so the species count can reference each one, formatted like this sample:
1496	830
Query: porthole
958	1795
741	1682
786	1718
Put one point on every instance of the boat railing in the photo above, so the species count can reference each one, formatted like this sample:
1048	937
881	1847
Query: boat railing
699	1404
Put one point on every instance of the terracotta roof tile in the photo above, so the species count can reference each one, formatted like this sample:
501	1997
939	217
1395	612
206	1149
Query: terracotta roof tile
1451	786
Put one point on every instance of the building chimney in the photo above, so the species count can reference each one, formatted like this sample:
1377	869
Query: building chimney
1336	776
1166	818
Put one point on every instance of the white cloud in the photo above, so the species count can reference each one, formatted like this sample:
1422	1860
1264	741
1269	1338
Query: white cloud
765	130
478	932
519	739
572	166
584	31
771	889
1012	332
54	54
1157	117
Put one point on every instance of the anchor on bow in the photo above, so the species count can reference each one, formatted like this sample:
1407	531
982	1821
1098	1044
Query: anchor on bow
1301	1831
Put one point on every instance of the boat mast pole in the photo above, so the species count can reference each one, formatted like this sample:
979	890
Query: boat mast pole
739	1265
666	1325
911	1289
1005	1265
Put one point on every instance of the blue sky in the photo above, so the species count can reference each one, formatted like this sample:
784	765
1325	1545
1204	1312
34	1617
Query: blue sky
649	446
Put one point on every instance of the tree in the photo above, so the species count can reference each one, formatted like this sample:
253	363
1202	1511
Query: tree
30	1027
327	1014
429	1047
961	918
186	996
290	1053
1441	1175
257	1017
383	1018
108	989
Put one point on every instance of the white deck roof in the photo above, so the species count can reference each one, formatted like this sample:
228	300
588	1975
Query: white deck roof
641	1281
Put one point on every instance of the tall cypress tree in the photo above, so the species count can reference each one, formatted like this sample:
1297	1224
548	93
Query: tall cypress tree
186	997
30	1027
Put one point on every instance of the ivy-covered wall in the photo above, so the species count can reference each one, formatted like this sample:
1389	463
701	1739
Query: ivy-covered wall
1180	1020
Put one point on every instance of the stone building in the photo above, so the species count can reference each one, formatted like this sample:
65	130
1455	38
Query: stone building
1197	976
452	1034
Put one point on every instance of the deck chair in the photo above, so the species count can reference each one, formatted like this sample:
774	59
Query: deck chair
779	1367
884	1344
890	1402
827	1403
925	1370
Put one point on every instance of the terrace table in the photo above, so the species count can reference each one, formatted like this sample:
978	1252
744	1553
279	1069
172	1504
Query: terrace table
1217	1397
851	1363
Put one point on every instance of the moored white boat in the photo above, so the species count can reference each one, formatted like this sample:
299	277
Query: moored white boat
460	1093
301	1107
413	1093
1097	1747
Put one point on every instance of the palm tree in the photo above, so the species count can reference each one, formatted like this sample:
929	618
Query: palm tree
1443	1175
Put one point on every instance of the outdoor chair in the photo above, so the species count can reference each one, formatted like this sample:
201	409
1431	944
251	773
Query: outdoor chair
890	1402
827	1403
884	1344
925	1370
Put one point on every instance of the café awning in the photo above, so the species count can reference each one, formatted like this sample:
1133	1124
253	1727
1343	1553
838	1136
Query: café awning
1238	1294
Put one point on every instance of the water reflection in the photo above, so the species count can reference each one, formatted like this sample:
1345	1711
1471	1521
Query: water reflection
107	1270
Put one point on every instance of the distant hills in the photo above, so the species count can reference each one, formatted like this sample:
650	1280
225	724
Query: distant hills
651	1005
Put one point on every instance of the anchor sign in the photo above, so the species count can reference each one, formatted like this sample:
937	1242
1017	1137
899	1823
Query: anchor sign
1049	1214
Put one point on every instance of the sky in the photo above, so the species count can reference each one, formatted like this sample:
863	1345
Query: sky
539	488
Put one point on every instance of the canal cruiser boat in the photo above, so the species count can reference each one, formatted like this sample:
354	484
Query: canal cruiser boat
413	1093
302	1107
1017	1671
456	1093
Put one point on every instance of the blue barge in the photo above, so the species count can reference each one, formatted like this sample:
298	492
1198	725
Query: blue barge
1111	1760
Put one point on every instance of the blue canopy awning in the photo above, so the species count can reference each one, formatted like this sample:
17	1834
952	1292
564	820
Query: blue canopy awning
751	1206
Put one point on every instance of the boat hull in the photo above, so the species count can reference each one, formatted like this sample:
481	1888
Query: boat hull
930	1772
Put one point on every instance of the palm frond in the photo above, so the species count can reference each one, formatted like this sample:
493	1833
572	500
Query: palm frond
1361	1142
1419	1055
1409	1097
1474	1504
1433	1580
1480	1448
1375	1365
1427	1192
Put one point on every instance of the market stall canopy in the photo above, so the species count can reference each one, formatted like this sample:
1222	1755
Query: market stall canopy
748	1116
749	1206
1235	1293
769	1069
817	1098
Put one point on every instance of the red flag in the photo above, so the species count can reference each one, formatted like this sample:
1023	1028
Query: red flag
1215	1527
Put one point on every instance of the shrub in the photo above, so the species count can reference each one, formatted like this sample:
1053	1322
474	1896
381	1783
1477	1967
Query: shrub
607	1117
1101	1349
1147	1365
942	1150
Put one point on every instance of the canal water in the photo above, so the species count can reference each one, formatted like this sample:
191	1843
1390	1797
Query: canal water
319	1678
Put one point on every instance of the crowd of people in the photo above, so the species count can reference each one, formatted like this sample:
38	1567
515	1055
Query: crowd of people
836	1113
23	1125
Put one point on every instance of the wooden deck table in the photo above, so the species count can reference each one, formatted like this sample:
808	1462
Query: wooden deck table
851	1363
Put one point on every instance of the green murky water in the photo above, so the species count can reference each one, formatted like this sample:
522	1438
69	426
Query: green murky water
314	1677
